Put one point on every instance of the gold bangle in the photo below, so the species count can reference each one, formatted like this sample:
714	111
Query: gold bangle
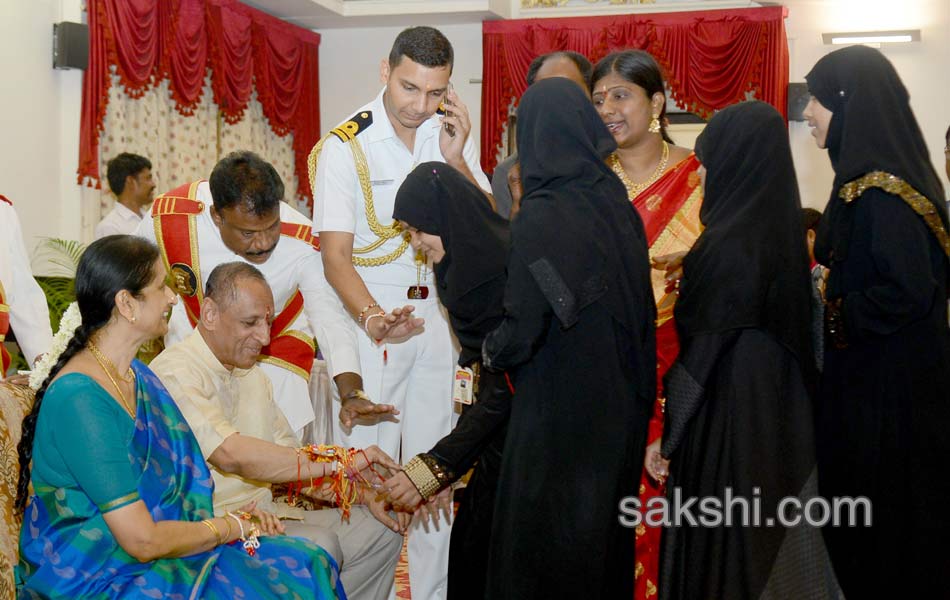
210	525
227	535
422	477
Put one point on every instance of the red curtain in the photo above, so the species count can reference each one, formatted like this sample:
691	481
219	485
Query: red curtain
710	58
147	41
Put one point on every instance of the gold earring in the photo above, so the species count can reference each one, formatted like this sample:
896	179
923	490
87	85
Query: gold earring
132	320
654	124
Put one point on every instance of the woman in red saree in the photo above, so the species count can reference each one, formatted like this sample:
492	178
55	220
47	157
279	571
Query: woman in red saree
663	185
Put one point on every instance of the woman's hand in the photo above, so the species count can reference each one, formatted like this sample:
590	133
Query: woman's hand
267	523
673	265
402	493
657	466
441	502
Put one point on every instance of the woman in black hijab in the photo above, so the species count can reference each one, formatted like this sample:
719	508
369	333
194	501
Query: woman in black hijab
739	407
884	405
579	327
468	243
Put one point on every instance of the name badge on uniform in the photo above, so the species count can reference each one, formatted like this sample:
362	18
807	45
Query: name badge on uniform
381	182
464	387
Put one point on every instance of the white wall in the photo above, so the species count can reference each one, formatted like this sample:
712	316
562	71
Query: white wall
924	67
39	120
349	68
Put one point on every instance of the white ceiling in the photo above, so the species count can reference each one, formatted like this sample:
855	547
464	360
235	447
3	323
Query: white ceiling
323	14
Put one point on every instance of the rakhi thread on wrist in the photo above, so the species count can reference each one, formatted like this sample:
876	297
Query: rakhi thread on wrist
345	479
249	542
380	340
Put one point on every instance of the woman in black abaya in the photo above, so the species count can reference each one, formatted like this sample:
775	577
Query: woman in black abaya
579	328
884	405
450	217
739	404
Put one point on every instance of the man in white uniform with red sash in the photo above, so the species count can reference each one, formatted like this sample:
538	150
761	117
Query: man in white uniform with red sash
22	302
238	215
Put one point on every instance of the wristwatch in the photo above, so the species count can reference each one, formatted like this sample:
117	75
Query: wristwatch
355	394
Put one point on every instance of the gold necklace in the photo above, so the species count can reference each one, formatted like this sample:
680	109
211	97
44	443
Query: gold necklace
102	360
634	189
105	361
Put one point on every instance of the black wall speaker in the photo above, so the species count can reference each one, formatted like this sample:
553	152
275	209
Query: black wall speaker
797	99
70	45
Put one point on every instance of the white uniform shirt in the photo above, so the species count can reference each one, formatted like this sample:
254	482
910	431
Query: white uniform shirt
120	220
339	201
293	264
29	315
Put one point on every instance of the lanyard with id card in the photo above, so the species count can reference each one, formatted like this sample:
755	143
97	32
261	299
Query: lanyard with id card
463	388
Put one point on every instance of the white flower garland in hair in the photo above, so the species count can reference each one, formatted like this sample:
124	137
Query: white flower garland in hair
71	321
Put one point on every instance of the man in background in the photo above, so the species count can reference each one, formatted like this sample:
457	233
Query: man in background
130	179
507	175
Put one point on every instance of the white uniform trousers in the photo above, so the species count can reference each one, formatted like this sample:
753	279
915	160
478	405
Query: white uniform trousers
416	377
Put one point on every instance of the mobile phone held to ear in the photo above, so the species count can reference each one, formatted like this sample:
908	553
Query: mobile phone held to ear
444	110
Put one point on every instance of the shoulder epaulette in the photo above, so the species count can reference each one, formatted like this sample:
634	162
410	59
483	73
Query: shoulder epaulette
356	125
5	199
301	232
179	201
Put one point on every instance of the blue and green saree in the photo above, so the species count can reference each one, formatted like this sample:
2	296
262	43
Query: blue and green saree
89	458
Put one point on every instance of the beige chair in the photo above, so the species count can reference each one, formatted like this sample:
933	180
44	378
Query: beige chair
15	402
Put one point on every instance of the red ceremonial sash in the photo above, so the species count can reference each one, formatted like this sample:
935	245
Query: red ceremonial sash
290	349
175	216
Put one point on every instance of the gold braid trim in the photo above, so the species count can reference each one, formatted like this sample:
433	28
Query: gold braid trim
383	233
892	184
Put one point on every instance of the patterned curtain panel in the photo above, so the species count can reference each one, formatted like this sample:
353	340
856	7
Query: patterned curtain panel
183	81
711	58
186	148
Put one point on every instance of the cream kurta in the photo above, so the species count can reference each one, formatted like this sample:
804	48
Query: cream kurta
218	403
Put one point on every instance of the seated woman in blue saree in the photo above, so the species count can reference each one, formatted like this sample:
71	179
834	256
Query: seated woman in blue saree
121	504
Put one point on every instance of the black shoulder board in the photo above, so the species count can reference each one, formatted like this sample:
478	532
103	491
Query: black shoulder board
356	125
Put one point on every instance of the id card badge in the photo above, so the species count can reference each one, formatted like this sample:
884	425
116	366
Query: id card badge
463	388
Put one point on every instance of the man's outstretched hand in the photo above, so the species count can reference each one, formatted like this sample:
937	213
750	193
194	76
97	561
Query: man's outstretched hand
398	323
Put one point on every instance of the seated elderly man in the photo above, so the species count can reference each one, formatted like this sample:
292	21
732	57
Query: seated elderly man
228	402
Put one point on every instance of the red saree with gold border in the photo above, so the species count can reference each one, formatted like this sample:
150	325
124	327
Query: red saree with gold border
670	212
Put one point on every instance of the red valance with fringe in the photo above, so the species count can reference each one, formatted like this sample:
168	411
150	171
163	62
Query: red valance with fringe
148	41
710	58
